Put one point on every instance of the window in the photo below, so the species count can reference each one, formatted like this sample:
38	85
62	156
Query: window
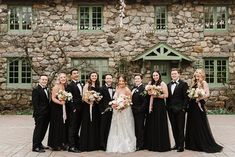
216	70
161	17
90	18
20	18
216	18
19	73
88	65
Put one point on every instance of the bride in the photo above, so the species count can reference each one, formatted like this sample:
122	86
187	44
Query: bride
121	137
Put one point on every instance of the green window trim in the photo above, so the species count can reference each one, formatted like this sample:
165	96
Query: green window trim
216	18
216	71
161	18
87	65
90	18
19	74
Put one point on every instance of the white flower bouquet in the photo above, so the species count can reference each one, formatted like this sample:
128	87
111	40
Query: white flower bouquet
64	96
121	102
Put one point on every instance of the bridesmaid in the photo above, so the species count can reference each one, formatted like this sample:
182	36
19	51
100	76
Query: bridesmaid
156	128
90	135
198	133
57	138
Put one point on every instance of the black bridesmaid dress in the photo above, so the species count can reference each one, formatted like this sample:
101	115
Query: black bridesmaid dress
198	133
156	128
90	130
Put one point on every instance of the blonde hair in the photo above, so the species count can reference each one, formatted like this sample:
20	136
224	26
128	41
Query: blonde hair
199	82
58	77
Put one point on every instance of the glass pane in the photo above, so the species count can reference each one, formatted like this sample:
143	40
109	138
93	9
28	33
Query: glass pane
14	18
96	18
13	71
209	69
221	71
221	17
208	17
84	18
160	17
25	72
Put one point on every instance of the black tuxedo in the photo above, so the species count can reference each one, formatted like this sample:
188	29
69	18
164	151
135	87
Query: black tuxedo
41	114
105	117
138	109
74	111
176	106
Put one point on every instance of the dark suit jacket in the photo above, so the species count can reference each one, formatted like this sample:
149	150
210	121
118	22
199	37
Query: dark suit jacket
77	98
179	99
41	103
104	102
138	100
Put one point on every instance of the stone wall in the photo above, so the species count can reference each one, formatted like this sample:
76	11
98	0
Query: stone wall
57	27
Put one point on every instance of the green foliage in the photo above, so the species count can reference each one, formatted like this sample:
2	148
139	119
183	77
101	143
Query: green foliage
219	111
25	112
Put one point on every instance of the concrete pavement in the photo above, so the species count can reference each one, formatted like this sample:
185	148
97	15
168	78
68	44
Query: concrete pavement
16	140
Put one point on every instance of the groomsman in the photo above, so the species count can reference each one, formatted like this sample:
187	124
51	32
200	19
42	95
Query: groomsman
74	111
107	91
41	113
138	109
177	102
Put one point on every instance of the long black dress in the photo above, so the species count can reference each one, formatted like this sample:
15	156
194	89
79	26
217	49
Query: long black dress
198	133
156	128
57	138
90	130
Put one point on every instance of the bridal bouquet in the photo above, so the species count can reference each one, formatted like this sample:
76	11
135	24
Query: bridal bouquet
121	102
154	90
90	97
64	96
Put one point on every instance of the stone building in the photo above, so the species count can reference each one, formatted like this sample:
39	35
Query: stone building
60	34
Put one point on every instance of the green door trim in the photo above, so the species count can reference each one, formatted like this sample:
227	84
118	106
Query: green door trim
162	51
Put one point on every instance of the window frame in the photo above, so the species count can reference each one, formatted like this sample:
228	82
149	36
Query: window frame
215	17
20	77
20	7
166	16
215	71
90	18
84	68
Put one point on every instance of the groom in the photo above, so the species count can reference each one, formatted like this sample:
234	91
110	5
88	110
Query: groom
107	91
177	102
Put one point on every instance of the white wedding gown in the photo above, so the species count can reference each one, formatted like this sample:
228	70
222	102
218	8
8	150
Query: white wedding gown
121	137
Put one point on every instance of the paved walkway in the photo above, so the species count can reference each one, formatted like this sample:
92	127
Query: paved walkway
16	137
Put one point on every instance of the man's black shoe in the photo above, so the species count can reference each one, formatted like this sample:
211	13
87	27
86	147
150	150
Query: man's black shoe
44	147
73	149
39	150
174	148
180	149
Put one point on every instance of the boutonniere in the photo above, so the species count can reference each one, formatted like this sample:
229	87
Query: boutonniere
136	91
114	90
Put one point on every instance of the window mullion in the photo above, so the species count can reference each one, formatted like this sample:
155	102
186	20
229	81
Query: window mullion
91	18
215	71
20	71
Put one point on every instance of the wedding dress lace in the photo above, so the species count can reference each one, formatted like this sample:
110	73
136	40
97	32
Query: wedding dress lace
121	137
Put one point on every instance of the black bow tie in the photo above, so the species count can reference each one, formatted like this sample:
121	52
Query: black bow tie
77	82
135	86
173	82
44	88
109	87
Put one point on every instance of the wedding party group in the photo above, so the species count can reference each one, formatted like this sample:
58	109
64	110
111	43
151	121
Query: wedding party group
119	119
